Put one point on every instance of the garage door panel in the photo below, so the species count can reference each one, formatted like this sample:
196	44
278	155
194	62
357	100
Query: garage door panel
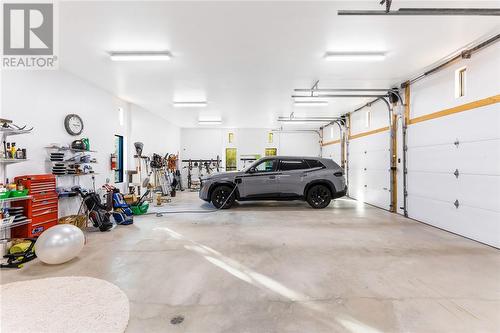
425	184
482	157
480	191
476	191
432	160
478	224
481	123
332	151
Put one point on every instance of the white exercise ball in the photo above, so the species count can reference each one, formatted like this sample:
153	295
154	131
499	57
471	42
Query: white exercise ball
59	244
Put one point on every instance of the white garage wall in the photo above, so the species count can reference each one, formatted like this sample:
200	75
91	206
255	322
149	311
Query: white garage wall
42	99
433	157
369	157
156	133
203	143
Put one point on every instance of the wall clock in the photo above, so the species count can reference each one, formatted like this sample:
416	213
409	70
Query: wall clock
73	124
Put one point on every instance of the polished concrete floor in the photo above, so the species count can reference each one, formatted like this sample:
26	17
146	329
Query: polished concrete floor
284	267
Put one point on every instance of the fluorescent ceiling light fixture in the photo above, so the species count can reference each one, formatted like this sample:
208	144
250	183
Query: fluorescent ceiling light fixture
209	122
140	56
310	103
304	121
200	104
355	56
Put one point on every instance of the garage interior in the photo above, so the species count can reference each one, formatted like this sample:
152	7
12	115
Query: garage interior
109	139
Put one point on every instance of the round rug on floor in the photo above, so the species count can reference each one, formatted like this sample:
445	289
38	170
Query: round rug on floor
63	304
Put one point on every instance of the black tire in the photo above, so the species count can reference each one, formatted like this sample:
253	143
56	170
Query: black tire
319	196
219	196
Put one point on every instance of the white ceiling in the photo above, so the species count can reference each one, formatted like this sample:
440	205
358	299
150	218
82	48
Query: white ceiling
245	58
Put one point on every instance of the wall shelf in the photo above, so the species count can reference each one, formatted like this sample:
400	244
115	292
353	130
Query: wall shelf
14	224
71	162
11	131
13	199
71	149
77	175
12	160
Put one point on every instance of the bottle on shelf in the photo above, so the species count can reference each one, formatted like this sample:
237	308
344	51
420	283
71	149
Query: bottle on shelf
13	150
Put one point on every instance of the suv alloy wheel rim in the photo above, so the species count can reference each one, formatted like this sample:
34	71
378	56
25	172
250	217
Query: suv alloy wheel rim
319	195
220	196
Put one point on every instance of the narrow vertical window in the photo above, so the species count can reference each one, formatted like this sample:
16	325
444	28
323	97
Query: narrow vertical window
117	164
331	132
121	116
270	137
367	119
230	137
460	82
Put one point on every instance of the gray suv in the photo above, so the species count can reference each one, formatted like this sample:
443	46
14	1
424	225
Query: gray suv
316	180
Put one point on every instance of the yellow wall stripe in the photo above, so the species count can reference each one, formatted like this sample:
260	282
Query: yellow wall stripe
457	109
375	131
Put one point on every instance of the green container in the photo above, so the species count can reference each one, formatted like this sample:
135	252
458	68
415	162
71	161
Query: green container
5	195
21	193
139	210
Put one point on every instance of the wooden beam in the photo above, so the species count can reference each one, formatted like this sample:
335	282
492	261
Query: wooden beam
457	109
407	104
331	142
375	131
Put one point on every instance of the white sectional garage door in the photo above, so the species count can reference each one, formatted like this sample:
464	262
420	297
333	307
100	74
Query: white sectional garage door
468	202
369	175
332	151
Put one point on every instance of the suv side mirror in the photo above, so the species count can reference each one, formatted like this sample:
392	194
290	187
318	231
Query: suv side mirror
251	170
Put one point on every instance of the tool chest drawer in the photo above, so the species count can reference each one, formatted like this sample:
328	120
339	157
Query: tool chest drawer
36	229
44	201
43	208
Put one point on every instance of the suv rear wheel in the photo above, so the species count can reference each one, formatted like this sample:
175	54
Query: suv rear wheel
219	196
319	196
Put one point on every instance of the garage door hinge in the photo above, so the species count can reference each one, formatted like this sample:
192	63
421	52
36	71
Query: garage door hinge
456	143
456	203
456	173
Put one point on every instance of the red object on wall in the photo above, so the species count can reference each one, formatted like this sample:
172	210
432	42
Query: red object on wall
43	207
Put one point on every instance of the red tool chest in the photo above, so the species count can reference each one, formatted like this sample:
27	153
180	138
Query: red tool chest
42	209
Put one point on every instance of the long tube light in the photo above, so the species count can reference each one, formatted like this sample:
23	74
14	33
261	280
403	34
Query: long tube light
354	56
209	122
200	104
140	56
310	103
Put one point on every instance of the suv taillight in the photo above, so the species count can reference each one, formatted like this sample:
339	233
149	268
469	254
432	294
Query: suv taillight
338	174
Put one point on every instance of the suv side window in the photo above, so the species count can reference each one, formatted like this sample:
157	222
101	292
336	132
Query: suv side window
266	166
315	164
289	165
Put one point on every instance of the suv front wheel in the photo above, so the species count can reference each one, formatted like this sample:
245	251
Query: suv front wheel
319	196
220	197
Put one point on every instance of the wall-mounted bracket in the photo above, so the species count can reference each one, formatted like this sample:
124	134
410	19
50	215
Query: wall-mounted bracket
456	173
456	203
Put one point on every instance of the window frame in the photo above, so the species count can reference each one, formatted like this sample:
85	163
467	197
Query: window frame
253	167
461	82
119	157
303	161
